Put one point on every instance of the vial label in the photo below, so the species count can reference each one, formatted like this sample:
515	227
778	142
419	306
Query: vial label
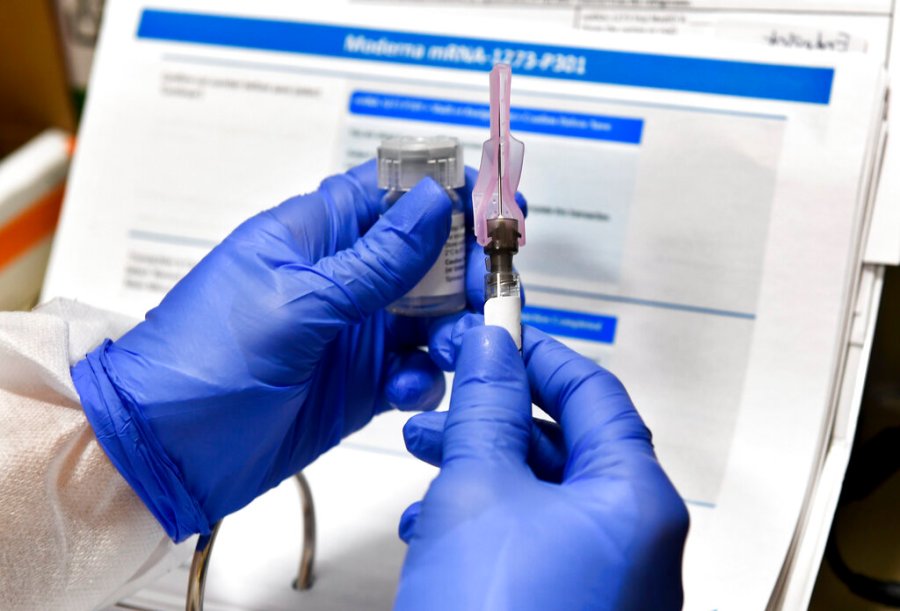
448	275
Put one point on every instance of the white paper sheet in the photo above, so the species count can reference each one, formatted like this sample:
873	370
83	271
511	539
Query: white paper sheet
711	240
799	576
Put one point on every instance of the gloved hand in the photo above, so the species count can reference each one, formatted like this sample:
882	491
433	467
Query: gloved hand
518	520
273	348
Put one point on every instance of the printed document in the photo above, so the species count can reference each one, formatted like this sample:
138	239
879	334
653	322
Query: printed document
865	26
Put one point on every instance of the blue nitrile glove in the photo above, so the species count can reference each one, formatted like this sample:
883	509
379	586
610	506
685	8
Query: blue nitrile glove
273	348
490	534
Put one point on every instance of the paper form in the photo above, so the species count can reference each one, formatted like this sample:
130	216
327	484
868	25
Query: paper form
696	235
812	25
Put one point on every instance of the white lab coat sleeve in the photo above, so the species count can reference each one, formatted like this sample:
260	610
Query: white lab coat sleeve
73	535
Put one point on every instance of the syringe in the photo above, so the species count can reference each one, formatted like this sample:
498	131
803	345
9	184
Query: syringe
499	222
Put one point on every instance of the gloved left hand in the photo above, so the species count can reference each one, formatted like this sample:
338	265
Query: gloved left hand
273	348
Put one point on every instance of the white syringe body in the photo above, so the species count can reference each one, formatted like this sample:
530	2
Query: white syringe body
505	310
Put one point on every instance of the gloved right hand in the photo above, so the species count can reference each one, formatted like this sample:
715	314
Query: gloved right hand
609	533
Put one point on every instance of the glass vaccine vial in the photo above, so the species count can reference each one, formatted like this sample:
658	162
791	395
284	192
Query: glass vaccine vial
402	163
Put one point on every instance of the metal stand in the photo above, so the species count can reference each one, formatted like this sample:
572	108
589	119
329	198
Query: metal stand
203	551
304	579
199	566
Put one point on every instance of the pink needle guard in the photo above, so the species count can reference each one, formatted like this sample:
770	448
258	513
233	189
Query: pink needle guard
494	194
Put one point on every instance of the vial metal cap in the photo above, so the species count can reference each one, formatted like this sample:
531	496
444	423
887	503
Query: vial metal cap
404	161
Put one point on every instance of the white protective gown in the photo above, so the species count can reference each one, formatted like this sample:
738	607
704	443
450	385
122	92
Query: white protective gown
73	535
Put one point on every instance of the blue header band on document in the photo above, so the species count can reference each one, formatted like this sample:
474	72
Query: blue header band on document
534	120
578	325
691	74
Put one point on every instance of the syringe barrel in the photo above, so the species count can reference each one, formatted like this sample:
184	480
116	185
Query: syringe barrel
503	304
501	280
502	295
504	284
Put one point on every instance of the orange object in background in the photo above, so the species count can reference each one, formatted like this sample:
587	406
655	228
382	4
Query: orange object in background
30	227
32	184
